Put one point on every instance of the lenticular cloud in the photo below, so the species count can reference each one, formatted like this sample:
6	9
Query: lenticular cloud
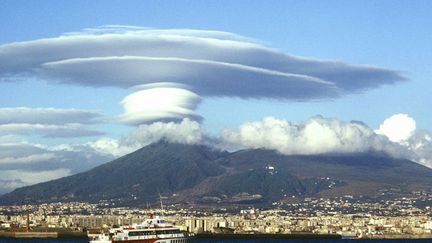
164	102
211	63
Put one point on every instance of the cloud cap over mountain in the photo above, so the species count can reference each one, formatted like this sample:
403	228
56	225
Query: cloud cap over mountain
317	135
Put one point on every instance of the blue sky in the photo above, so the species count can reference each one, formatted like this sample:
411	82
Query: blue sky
392	35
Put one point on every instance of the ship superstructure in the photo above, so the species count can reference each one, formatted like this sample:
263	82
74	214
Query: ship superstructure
150	231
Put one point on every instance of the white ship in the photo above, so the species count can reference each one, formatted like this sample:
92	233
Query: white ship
150	231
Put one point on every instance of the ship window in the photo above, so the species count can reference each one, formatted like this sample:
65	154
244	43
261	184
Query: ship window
140	233
173	231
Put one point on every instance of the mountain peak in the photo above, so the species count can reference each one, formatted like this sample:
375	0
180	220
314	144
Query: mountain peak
191	173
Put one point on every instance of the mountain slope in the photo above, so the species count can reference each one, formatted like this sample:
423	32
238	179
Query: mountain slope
160	167
191	173
335	175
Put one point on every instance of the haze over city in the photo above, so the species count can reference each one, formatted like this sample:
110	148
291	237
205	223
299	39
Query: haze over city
84	82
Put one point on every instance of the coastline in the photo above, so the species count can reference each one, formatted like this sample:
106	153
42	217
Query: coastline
397	237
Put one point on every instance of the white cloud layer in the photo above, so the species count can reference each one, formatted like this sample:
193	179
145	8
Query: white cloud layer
186	131
317	135
51	131
11	179
24	155
397	137
23	163
420	144
48	122
34	158
27	115
212	63
112	147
